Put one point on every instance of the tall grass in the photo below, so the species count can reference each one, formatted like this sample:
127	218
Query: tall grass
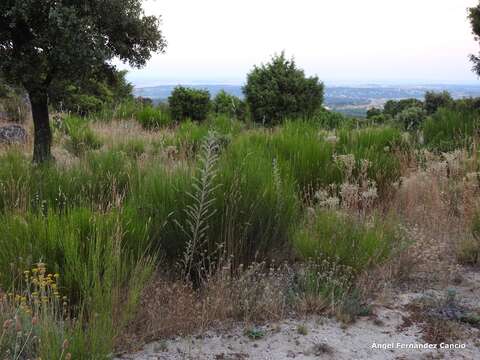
81	137
103	266
153	118
99	180
336	238
450	129
159	198
379	146
257	202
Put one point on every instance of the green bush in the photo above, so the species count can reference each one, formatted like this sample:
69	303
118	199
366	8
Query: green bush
434	101
230	105
411	118
153	118
188	103
394	107
279	90
336	238
81	137
373	112
450	129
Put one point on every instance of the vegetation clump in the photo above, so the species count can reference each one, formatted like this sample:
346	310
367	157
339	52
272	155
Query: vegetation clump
153	118
229	105
279	90
187	103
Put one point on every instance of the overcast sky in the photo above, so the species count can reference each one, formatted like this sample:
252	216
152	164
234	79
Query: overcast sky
341	41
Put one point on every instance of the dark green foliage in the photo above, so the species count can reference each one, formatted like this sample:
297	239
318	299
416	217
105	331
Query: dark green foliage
373	112
467	104
78	40
88	96
450	129
187	103
230	105
153	118
394	107
279	90
411	118
474	17
434	101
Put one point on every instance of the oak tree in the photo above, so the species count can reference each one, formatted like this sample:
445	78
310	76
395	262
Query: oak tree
44	44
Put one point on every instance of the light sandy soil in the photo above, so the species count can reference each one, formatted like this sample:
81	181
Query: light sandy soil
326	338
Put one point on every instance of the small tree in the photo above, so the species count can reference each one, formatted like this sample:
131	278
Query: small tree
279	90
434	100
44	45
188	103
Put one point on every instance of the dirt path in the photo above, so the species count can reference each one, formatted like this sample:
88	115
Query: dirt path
385	334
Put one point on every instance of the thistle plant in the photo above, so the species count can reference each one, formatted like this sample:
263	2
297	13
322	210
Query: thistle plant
199	212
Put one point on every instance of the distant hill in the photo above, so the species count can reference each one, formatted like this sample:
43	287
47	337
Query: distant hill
349	100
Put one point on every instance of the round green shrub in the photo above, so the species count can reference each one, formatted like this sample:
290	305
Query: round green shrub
188	103
279	90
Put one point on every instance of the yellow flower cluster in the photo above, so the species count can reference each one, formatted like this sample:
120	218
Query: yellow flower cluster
39	289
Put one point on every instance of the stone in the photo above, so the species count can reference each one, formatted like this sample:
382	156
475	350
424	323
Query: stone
13	134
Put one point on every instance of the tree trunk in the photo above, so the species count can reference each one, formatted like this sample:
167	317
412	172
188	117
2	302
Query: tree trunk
41	122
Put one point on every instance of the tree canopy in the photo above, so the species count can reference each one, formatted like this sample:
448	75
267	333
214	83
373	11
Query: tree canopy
280	90
474	17
44	44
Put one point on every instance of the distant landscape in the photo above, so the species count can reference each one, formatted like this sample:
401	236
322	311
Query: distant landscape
348	100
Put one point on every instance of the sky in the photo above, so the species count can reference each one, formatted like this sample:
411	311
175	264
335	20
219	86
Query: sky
340	41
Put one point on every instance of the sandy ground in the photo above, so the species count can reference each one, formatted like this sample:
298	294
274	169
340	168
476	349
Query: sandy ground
325	338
